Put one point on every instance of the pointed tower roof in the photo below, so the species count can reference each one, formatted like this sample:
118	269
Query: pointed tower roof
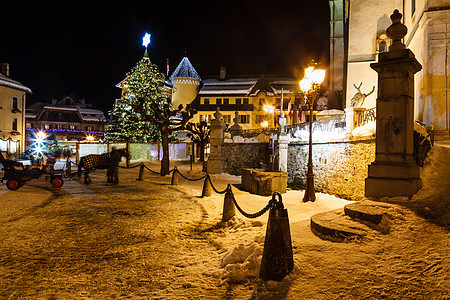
185	69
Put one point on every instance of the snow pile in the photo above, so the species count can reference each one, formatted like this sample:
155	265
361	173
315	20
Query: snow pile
365	130
240	139
242	262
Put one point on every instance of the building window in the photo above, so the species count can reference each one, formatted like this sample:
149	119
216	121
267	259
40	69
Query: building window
383	43
260	119
245	101
15	102
413	7
227	119
238	101
46	126
206	101
218	101
245	119
72	127
226	101
206	118
28	125
14	124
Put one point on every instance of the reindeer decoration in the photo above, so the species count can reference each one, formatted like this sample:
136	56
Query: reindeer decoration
358	98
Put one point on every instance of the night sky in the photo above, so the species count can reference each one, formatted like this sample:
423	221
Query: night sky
85	48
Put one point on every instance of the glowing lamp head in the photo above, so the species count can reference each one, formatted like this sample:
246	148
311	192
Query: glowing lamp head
305	84
89	138
265	124
269	109
317	76
146	40
41	134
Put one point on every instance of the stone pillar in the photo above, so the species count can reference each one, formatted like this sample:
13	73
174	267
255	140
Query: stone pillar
353	117
215	160
394	171
283	141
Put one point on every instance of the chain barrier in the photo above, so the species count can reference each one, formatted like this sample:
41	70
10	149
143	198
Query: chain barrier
197	179
272	203
215	190
130	167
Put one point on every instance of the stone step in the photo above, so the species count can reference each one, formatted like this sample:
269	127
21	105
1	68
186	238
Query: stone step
336	226
355	220
371	213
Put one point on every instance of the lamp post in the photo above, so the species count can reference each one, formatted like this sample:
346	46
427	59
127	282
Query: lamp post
270	110
309	86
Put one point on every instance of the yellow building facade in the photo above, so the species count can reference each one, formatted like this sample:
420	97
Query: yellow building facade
256	100
12	113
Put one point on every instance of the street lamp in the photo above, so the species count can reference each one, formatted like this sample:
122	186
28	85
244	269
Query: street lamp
270	109
309	86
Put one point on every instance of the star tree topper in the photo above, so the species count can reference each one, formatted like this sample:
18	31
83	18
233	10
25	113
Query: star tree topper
146	40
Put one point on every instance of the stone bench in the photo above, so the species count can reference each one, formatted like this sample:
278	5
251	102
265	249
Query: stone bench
263	182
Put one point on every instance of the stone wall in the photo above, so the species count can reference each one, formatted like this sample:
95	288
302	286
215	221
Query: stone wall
339	168
237	156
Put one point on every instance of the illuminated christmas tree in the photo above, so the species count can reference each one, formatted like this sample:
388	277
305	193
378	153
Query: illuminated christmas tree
144	81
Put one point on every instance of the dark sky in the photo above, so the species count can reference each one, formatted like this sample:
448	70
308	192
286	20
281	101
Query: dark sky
85	48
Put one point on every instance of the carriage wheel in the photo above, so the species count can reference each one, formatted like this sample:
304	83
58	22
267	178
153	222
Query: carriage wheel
57	182
13	184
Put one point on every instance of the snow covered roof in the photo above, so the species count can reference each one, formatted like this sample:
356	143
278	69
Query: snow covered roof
8	82
185	69
248	86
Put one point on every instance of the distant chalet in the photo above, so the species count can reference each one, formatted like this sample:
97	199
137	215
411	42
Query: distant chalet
68	119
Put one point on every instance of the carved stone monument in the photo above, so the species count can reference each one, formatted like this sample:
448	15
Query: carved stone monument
236	129
394	171
215	160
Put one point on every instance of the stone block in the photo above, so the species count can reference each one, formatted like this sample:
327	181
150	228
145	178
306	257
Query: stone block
391	187
264	183
401	171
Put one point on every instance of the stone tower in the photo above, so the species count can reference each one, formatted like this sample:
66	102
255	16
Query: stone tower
186	83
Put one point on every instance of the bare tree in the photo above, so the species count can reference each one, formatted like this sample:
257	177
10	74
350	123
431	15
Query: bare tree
199	134
168	120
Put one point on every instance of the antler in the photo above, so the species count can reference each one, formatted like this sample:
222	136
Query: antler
358	88
373	89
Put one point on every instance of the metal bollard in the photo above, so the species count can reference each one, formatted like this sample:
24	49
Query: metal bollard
141	172
228	205
277	260
206	191
175	176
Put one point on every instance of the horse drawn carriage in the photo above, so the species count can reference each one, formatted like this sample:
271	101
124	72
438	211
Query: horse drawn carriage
16	174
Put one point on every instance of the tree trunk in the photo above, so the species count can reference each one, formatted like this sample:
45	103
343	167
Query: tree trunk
202	151
165	147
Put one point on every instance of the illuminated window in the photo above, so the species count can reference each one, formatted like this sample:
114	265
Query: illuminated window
227	119
245	119
383	43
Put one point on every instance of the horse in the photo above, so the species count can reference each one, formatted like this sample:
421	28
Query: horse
108	161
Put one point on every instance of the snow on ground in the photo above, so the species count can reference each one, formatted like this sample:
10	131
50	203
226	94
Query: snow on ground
178	248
